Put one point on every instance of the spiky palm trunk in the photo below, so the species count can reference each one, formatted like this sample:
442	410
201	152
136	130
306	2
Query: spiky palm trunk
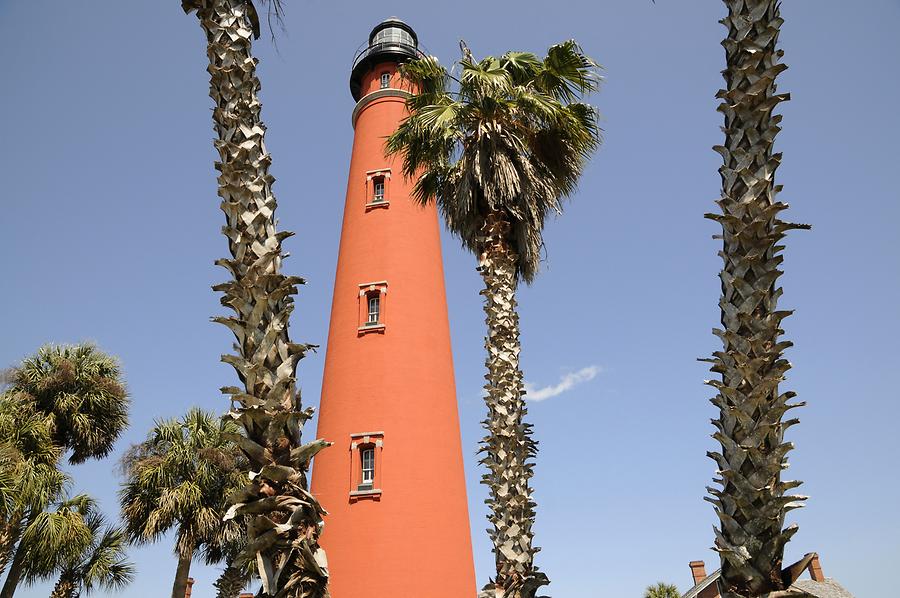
284	519
65	587
508	448
751	503
230	582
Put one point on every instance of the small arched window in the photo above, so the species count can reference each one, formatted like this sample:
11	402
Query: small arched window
374	316
378	189
385	80
367	473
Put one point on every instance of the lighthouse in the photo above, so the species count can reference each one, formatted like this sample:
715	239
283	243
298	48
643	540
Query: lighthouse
393	482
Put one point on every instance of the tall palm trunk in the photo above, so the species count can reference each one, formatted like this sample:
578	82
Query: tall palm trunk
508	447
182	572
284	519
751	503
66	587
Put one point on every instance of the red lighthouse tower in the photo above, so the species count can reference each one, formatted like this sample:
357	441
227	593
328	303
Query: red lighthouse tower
393	482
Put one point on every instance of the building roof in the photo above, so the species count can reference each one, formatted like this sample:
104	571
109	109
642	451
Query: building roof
828	588
704	583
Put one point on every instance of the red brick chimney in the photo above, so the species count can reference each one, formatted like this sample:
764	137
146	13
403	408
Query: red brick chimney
698	571
815	569
189	588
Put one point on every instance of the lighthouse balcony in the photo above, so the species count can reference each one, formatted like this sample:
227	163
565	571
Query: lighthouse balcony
392	40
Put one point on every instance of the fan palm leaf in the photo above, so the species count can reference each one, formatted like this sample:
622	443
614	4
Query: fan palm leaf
662	590
94	557
81	390
31	478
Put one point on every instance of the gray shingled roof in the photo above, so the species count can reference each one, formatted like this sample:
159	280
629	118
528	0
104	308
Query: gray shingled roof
823	589
704	583
820	589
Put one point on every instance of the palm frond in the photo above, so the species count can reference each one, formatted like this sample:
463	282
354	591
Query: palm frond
180	478
80	389
512	136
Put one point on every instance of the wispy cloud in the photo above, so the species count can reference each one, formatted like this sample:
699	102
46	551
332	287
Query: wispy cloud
566	382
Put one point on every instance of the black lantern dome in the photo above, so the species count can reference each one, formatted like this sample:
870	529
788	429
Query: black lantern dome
391	40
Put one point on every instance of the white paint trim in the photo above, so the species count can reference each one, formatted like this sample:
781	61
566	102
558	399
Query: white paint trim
361	434
376	95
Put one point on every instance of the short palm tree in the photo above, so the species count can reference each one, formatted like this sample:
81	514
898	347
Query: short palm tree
662	590
79	392
179	478
100	564
752	499
28	468
497	152
284	520
50	538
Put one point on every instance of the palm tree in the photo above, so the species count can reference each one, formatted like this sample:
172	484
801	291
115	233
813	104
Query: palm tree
28	468
236	574
285	520
179	478
751	502
78	391
50	538
99	564
662	590
496	154
81	390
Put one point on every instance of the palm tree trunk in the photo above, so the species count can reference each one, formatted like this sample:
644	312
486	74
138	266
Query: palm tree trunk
268	404
182	572
751	503
65	588
508	447
230	582
10	531
16	569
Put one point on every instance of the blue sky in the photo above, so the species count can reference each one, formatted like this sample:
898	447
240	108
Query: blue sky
110	225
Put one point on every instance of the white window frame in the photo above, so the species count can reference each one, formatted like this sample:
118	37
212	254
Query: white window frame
374	315
378	186
368	473
385	80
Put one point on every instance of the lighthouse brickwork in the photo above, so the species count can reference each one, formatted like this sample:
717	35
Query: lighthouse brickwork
393	482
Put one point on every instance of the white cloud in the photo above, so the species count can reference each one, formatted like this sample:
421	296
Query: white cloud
566	382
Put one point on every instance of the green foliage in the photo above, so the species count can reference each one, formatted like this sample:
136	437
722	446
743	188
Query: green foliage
662	590
97	563
509	135
74	542
62	399
180	478
29	477
80	390
56	535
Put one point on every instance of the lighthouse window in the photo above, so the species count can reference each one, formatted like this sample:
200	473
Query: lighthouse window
374	310
378	190
367	458
385	80
393	35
